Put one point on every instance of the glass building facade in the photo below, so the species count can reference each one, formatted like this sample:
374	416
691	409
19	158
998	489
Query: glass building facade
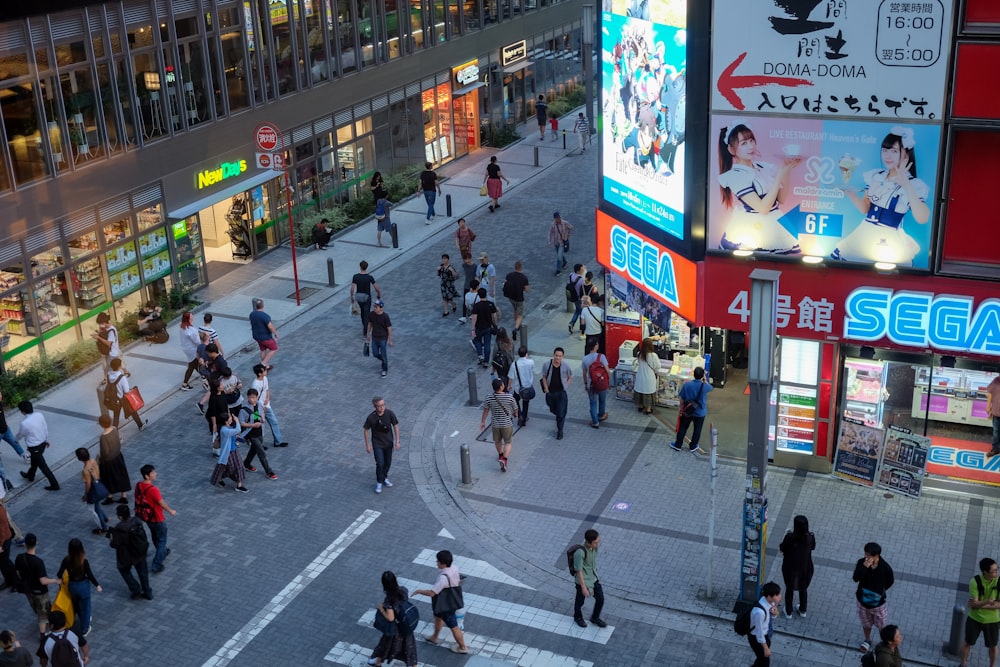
126	154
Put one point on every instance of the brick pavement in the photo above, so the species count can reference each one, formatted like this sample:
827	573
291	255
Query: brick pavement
232	554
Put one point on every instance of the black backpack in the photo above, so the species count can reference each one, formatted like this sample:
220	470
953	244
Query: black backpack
143	510
569	557
111	399
408	618
869	659
64	654
138	544
742	623
572	293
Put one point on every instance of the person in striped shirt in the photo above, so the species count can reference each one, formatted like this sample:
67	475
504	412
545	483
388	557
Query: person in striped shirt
502	408
213	335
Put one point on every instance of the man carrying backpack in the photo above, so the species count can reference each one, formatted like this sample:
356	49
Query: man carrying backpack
62	647
693	409
984	611
596	379
149	507
587	582
761	627
129	541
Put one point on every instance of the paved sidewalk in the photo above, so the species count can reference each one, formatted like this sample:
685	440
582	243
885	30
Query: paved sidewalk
651	504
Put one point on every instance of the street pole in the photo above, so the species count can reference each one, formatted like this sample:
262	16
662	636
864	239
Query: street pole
587	54
763	327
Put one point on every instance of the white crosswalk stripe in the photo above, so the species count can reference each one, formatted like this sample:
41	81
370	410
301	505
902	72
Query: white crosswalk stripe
509	612
472	568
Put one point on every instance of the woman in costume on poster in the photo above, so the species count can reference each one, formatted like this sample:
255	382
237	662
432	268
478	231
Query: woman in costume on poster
751	190
889	194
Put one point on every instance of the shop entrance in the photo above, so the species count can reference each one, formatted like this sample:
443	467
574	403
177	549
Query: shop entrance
466	117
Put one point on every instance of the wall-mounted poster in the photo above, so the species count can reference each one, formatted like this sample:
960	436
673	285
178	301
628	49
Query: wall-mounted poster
858	450
851	191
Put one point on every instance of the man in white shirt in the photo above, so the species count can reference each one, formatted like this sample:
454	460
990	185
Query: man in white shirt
263	388
760	623
487	275
57	623
34	433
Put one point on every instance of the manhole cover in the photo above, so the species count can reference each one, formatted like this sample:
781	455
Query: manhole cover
304	293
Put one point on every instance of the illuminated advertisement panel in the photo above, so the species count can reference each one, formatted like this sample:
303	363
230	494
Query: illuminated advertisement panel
851	191
643	106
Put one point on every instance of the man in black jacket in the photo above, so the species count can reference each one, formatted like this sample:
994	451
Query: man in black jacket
131	545
874	577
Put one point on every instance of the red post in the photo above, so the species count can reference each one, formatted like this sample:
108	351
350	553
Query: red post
291	229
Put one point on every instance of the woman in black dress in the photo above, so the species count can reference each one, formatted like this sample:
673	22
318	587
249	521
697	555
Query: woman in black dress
111	463
400	644
797	566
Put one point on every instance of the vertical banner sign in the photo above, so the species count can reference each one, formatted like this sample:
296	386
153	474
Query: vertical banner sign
858	450
875	59
904	462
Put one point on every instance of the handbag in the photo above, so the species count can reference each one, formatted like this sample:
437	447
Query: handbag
134	399
448	600
527	392
688	407
566	245
97	492
63	601
368	349
384	625
483	191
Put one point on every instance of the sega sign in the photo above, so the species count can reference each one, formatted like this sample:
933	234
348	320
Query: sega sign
923	319
649	266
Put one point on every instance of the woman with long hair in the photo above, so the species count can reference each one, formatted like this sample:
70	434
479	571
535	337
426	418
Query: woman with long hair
890	193
93	489
494	187
503	356
647	368
189	346
76	565
399	644
752	190
377	186
111	463
797	565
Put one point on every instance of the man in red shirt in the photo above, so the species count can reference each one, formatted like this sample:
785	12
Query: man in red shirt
149	506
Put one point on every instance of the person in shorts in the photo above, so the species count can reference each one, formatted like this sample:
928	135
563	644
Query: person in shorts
503	408
264	332
874	577
31	570
984	611
448	577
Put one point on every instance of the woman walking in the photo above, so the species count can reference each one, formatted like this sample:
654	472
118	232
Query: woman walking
647	368
93	489
399	643
503	357
447	273
111	462
189	346
229	463
464	236
80	576
797	565
494	187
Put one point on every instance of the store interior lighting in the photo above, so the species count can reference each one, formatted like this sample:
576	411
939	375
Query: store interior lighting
885	266
742	253
812	259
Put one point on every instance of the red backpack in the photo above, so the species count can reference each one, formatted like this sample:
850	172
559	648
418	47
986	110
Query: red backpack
599	380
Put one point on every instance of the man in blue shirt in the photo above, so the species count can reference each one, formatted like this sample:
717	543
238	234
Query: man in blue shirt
263	331
694	407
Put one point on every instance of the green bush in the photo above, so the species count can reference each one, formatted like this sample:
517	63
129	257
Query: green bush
498	135
177	300
29	381
79	356
337	220
403	183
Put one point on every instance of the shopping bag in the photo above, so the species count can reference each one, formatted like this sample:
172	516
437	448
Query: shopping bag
134	399
367	350
483	191
63	602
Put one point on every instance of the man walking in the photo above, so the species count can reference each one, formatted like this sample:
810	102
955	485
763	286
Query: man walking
128	539
487	275
107	339
263	388
582	130
514	287
448	577
253	432
431	188
761	627
384	429
887	651
556	377
984	611
484	319
34	432
503	409
31	570
469	269
361	293
559	232
874	578
213	335
596	380
45	653
380	335
149	507
588	584
693	409
264	332
541	115
574	292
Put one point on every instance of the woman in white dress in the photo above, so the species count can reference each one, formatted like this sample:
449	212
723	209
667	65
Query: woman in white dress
751	190
889	194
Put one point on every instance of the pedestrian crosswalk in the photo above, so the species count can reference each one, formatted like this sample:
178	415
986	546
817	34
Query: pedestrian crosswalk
470	567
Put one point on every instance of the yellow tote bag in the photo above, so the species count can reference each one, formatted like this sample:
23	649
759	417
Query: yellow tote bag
63	602
483	191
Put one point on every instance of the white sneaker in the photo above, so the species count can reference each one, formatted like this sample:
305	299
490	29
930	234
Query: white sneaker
387	482
378	488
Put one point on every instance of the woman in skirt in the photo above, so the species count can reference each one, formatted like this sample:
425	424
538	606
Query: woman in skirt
229	464
111	462
395	646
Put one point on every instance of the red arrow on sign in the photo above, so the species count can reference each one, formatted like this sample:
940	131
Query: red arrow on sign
729	82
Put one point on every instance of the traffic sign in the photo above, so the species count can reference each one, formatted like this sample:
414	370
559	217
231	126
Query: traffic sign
267	137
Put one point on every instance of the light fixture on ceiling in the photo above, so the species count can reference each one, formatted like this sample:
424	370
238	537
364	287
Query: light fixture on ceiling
812	259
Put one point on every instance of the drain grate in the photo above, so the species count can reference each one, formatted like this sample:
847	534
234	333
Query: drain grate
549	306
304	293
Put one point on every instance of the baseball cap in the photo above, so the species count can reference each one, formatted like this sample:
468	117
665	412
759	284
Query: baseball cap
556	215
483	255
379	303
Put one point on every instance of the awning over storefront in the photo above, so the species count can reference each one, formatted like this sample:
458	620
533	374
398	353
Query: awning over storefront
517	67
224	193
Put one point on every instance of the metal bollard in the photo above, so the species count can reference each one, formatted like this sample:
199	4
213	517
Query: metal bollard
330	280
536	156
394	232
473	389
447	205
564	139
957	630
466	465
523	335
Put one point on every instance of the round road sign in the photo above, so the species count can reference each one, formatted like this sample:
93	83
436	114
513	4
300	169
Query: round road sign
267	137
